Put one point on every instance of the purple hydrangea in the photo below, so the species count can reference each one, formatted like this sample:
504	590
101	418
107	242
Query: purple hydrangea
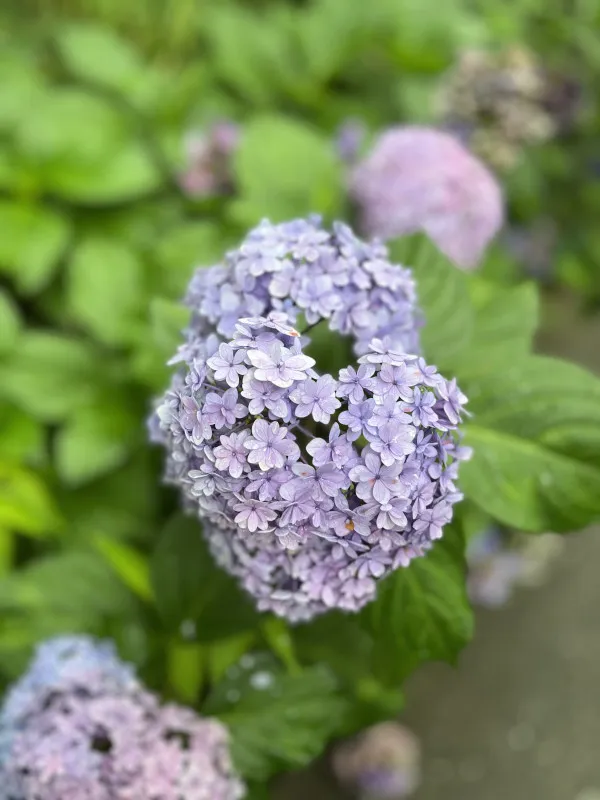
79	725
381	763
421	179
310	487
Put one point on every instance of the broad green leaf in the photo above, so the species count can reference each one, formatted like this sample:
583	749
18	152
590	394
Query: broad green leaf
49	375
95	439
326	54
105	288
96	53
443	297
124	504
188	585
21	84
331	351
225	653
536	439
505	321
10	323
7	551
276	720
421	612
158	342
279	638
63	593
167	321
33	240
21	437
183	248
185	668
69	125
284	169
246	53
130	565
339	640
87	150
26	505
126	174
257	791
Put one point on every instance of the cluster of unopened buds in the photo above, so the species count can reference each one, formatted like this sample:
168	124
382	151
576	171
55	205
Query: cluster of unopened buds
310	487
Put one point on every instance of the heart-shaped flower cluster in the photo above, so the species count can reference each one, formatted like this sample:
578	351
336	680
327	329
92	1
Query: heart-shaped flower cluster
78	724
311	487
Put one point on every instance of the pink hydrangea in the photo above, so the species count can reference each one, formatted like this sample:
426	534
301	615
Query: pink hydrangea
79	726
421	179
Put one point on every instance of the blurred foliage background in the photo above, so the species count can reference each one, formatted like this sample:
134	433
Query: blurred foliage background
98	240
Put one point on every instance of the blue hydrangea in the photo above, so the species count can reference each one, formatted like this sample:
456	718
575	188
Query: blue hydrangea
79	726
310	487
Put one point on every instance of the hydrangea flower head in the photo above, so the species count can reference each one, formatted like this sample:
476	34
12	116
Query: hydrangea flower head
311	487
500	561
79	725
421	179
381	763
501	102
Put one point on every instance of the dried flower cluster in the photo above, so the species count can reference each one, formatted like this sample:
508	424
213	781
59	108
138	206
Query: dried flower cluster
311	487
498	103
79	726
208	160
420	179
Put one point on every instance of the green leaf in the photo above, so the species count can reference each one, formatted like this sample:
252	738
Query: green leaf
443	296
26	505
505	321
247	53
33	240
225	653
121	176
7	551
536	439
276	721
339	640
10	323
69	125
124	504
86	149
185	668
49	375
21	437
279	638
257	791
284	169
167	321
96	439
183	248
96	53
21	84
105	289
157	343
188	585
63	593
421	612
131	567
